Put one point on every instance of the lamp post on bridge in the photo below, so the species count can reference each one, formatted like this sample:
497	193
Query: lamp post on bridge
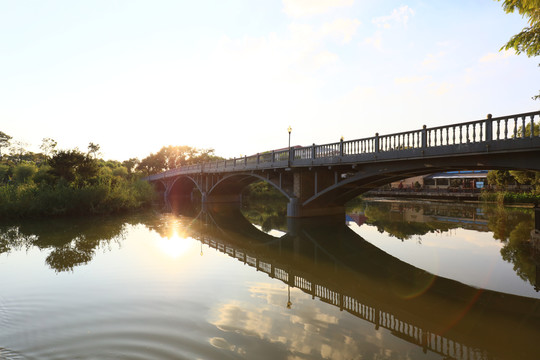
289	129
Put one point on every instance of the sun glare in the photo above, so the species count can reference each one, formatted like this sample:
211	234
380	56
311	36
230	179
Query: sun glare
175	246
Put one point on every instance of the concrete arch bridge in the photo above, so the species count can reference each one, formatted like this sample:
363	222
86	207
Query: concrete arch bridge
318	180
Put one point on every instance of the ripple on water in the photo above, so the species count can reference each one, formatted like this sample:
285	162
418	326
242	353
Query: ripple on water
7	354
41	329
4	321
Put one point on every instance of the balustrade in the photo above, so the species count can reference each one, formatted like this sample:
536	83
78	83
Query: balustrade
303	153
504	128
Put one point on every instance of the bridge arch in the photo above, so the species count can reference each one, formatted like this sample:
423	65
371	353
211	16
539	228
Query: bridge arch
384	173
230	186
179	189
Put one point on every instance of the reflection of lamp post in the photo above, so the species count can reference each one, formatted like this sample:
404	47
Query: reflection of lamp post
201	249
289	303
289	129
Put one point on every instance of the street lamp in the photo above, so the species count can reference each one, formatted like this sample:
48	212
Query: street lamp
289	129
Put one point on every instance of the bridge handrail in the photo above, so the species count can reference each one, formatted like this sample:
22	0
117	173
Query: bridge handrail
509	127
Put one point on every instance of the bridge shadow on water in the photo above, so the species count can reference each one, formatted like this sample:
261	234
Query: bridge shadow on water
329	261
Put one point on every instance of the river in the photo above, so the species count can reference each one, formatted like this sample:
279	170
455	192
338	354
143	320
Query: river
393	280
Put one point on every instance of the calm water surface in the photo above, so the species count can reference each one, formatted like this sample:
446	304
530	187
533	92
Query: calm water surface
394	280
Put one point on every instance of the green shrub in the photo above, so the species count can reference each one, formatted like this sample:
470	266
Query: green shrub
44	175
120	171
63	198
4	173
504	197
24	172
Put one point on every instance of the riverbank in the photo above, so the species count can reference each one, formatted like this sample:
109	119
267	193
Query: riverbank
502	197
62	199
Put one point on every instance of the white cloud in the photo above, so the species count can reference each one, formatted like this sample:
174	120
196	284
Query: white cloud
398	16
297	8
442	88
305	331
375	40
405	80
324	58
489	57
433	60
342	29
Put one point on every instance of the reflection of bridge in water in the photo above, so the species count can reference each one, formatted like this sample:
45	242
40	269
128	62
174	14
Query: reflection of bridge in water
340	268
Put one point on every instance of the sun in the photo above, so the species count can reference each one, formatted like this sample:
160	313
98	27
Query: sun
175	246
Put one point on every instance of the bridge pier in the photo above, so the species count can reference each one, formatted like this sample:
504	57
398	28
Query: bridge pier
537	217
222	198
296	210
306	184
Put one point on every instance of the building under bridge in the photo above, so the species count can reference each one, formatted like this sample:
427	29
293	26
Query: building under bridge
464	179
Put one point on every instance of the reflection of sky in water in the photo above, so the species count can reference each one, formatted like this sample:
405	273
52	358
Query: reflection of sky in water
468	256
273	232
309	330
172	292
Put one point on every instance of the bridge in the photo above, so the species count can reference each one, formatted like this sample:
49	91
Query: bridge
318	180
330	262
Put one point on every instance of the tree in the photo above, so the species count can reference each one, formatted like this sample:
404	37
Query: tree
170	157
152	164
93	149
528	177
131	164
19	152
73	165
4	141
528	40
48	146
121	171
500	178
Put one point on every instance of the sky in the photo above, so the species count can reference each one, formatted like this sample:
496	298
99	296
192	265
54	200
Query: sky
134	76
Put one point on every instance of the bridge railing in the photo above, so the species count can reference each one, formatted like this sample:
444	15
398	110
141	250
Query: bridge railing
399	141
515	126
491	129
512	127
464	133
486	130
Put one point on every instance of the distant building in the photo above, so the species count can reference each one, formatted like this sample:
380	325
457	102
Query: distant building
464	179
